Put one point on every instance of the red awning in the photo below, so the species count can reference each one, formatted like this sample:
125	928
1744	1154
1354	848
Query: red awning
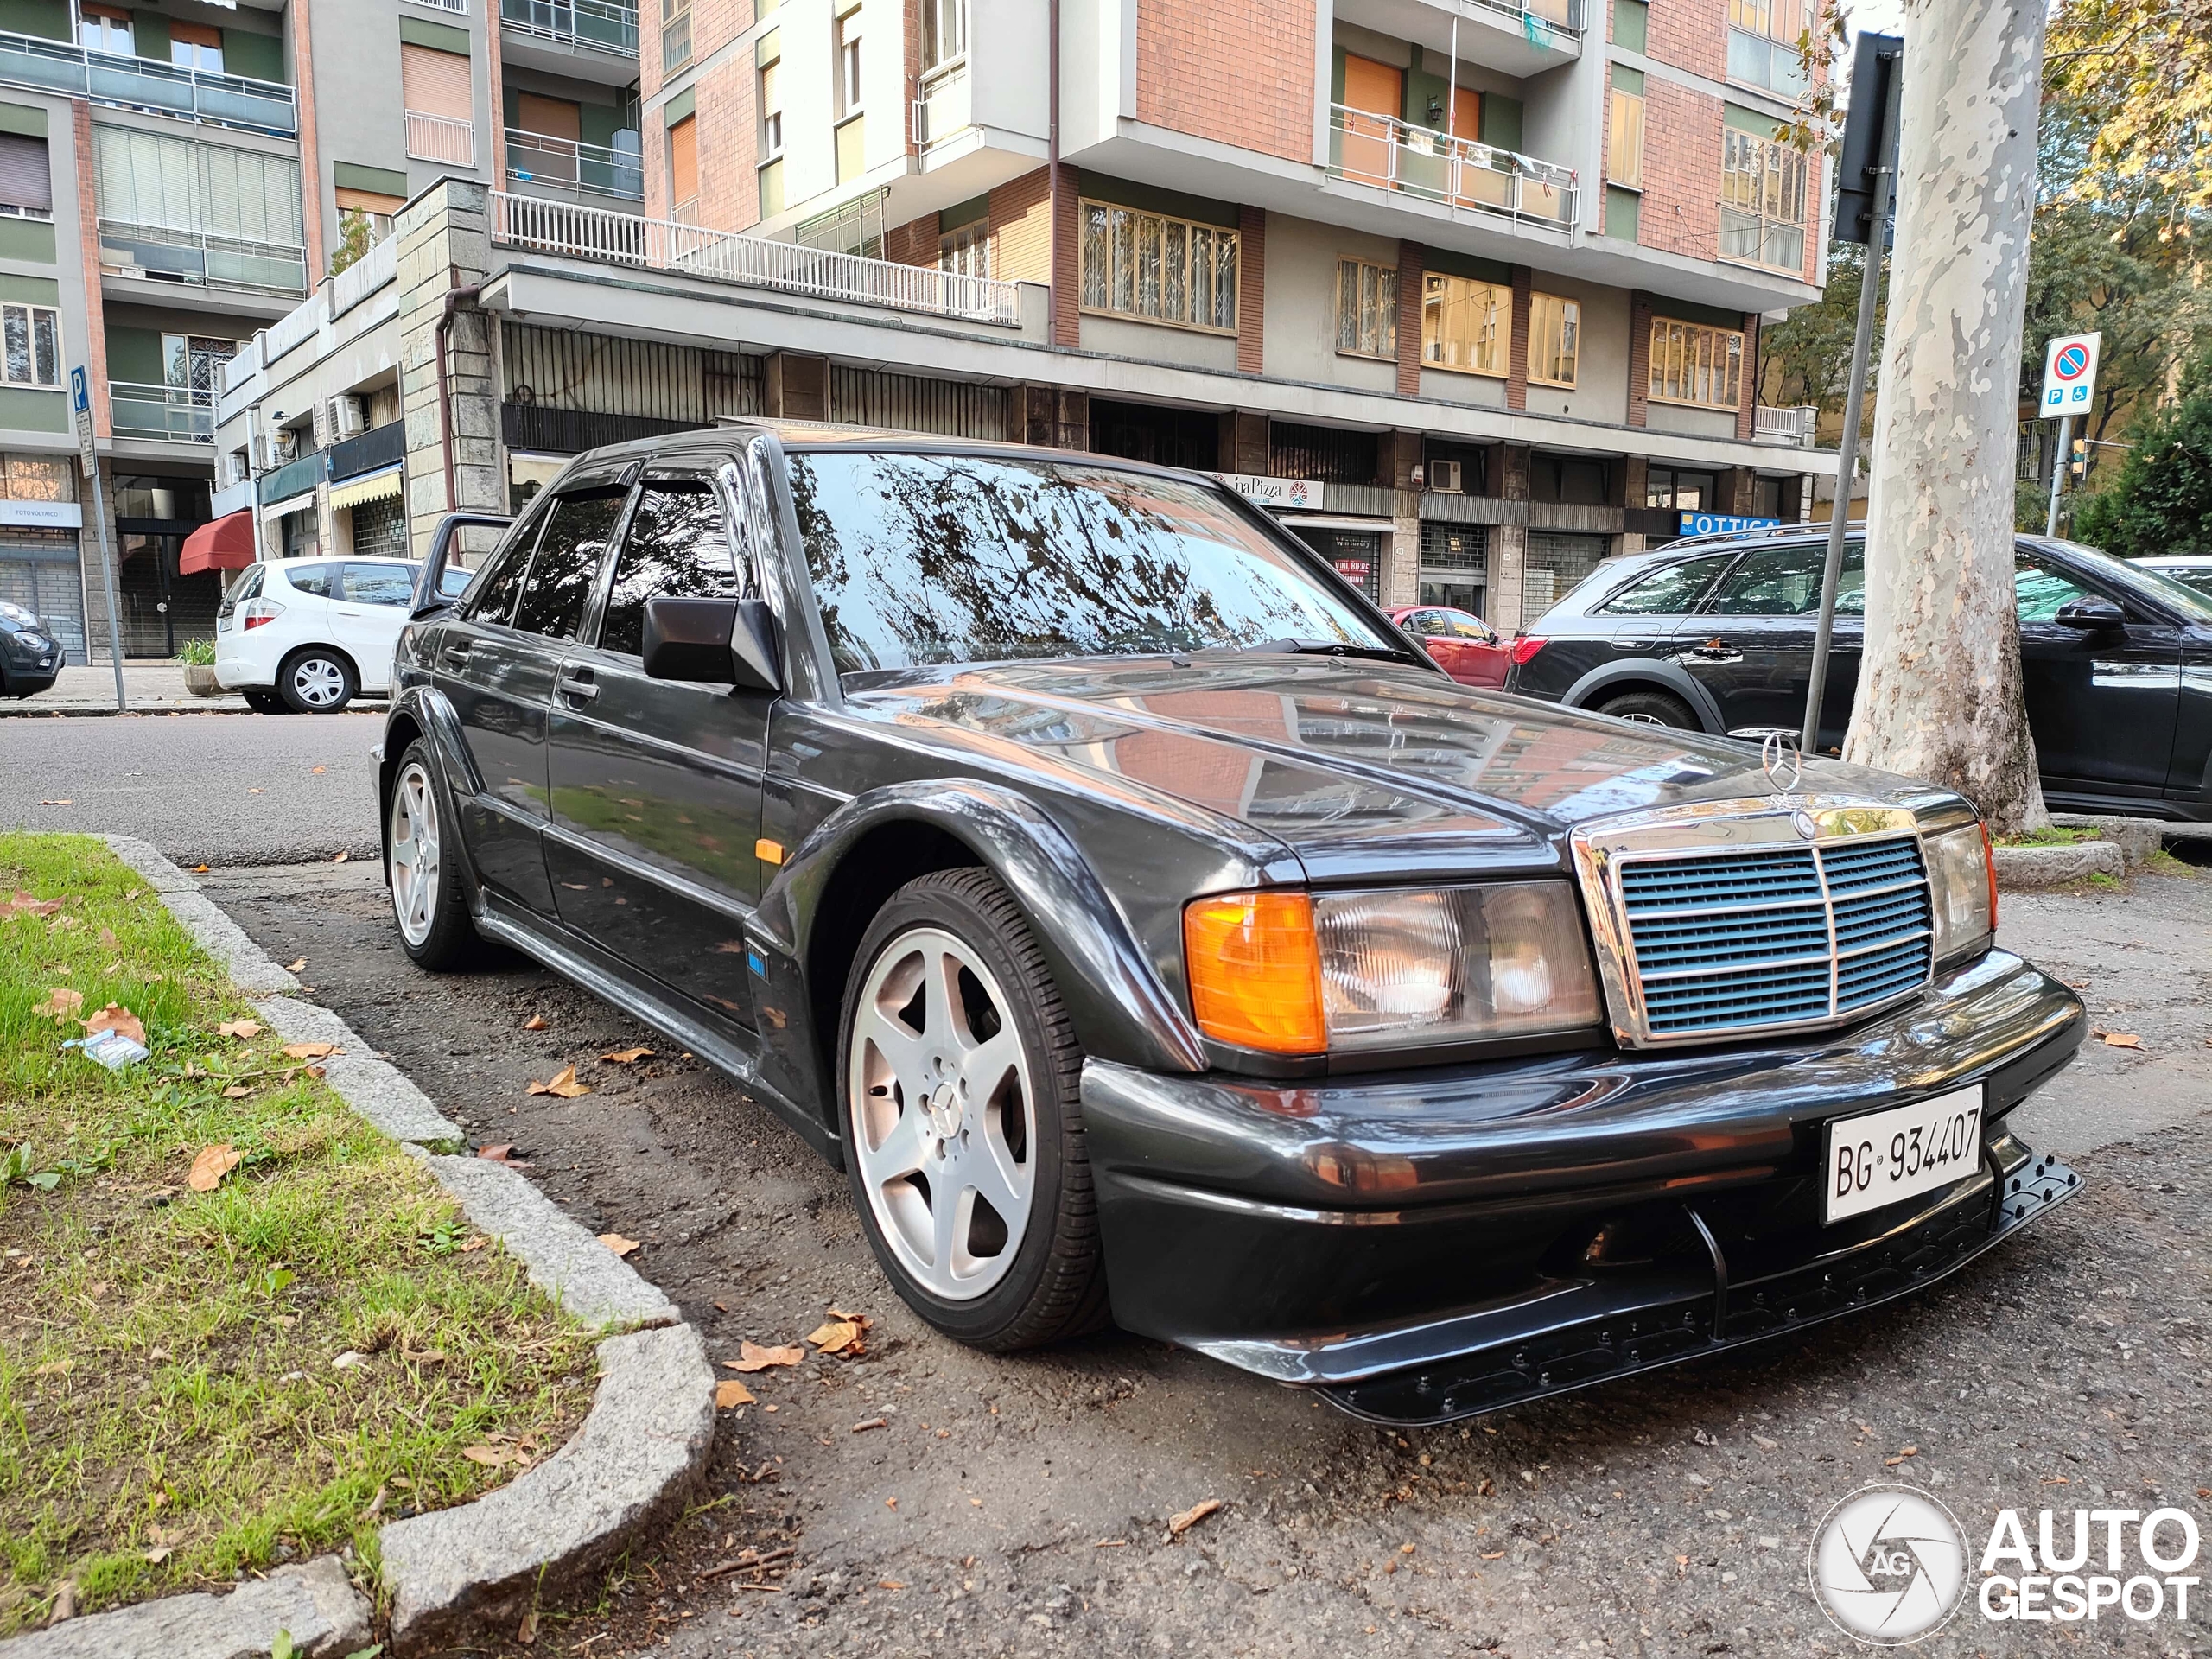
225	544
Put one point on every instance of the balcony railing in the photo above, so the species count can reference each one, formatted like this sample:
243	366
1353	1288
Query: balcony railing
1534	17
143	84
166	414
441	138
1456	173
293	478
380	446
1790	426
591	25
945	107
458	6
583	232
566	165
203	258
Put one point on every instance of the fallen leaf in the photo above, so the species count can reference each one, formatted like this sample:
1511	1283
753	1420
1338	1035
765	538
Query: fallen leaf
339	857
243	1030
199	869
535	1022
1179	1524
526	1632
158	1554
835	1336
257	791
61	1003
564	1084
319	770
116	1017
108	941
53	1368
474	1244
24	904
299	967
617	1243
628	1056
753	1357
60	803
211	1166
312	1051
501	1154
492	1457
2120	1040
890	1584
871	1422
730	1392
237	1092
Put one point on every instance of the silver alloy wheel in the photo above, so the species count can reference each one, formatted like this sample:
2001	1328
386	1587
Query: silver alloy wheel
415	852
1641	720
944	1118
318	682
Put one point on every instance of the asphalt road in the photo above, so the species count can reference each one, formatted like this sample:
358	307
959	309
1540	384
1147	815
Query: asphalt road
206	789
1019	1506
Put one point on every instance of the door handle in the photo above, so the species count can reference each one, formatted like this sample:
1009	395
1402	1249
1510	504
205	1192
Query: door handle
455	655
576	682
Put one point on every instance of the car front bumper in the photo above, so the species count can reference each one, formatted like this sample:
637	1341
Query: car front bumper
1429	1244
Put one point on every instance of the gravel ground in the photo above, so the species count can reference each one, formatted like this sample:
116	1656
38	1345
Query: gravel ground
1019	1506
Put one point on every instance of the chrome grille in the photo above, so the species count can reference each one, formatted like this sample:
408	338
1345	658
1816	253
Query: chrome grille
1724	942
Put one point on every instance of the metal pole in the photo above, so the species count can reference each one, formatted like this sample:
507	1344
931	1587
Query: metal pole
2058	472
107	581
1862	346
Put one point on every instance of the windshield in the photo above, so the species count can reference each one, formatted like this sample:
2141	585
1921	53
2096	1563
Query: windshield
2153	586
922	560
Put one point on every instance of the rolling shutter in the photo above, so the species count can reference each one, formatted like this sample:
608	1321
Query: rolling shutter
26	178
684	159
435	83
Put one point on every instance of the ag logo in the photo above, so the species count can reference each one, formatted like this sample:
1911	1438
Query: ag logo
1889	1565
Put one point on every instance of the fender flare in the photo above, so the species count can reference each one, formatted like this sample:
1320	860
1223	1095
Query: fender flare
1592	685
1116	1001
453	769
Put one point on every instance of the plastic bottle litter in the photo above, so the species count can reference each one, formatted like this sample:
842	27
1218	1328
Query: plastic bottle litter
111	1048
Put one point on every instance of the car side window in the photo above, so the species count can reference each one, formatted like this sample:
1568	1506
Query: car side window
1466	627
313	579
1850	581
1670	592
678	546
378	584
562	576
1427	624
2041	588
249	585
1772	582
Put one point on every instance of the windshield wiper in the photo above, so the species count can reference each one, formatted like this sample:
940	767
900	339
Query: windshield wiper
1331	648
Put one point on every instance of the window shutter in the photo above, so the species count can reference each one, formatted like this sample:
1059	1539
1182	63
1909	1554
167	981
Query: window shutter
435	83
26	179
684	159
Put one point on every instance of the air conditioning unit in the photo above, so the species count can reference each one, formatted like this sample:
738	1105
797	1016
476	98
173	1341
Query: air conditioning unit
349	416
1444	477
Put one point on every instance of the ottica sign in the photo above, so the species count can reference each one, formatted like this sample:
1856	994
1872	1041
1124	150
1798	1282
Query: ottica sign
2070	374
1720	523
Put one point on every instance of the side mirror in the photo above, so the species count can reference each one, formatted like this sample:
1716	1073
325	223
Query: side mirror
430	596
2090	615
713	641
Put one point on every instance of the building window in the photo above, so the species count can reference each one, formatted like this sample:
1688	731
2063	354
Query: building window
1367	309
1555	340
684	167
1465	324
966	251
1624	130
1762	201
675	34
849	64
196	46
1163	270
945	32
102	29
32	336
771	109
194	362
1692	364
1763	48
1674	487
26	177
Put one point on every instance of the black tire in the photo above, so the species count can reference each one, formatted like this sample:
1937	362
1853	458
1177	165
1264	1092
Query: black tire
440	937
1651	709
316	680
264	701
1054	1285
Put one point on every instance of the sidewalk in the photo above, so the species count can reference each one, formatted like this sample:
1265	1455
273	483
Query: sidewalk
155	687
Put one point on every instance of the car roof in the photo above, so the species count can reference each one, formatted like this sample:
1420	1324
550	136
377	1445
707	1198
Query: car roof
2176	561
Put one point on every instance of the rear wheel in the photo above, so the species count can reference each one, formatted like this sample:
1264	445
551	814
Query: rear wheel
1651	709
263	700
316	681
426	898
957	1078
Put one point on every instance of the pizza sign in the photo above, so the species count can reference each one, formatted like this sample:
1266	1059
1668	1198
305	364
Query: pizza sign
2070	374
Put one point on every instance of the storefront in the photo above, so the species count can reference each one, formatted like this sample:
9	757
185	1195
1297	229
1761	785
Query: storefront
40	522
160	606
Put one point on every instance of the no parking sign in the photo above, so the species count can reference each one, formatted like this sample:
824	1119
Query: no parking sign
2070	374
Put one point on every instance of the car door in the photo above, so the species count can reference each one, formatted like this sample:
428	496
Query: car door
367	611
1480	657
2102	702
1427	629
655	783
1751	645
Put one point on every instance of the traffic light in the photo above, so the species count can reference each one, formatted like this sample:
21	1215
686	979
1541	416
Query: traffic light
2079	466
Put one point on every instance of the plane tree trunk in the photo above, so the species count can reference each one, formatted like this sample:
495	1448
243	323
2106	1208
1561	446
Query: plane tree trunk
1940	685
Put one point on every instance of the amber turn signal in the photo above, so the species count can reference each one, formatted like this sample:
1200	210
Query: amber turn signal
1256	971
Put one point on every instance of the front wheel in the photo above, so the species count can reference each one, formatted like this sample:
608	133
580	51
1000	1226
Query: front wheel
426	898
316	681
1651	709
957	1078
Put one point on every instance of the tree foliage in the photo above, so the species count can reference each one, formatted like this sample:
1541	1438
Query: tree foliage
2142	72
2162	500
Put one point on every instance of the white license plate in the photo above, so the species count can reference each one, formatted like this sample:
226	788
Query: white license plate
1907	1150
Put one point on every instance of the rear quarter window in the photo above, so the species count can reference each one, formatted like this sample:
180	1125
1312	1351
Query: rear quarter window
1670	591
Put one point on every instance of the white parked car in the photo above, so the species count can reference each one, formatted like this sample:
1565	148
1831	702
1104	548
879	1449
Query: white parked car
2191	570
309	635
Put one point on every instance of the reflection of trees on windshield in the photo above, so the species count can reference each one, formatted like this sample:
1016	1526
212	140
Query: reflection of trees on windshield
923	559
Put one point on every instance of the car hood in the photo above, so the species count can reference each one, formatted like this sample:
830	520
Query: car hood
1361	768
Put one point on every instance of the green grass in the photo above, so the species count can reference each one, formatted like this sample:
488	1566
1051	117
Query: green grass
169	1415
2050	834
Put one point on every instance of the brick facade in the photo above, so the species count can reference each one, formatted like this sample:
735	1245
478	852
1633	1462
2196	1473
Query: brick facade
1693	37
1748	397
1639	357
1021	230
1238	74
1411	266
1516	350
1251	289
1066	265
1681	170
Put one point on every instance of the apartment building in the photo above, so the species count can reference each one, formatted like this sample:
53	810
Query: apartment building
1470	291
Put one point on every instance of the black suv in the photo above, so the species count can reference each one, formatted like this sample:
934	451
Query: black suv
1716	635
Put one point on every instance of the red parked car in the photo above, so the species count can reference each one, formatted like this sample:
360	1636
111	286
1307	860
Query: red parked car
1463	645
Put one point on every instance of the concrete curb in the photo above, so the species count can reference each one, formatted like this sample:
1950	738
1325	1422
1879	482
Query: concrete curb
639	1456
2023	868
2140	840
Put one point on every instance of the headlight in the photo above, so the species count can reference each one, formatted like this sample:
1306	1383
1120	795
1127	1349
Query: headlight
1358	972
1962	882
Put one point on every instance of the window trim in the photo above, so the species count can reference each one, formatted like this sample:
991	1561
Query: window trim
1691	330
1616	98
1084	207
1791	176
849	34
31	314
1501	337
1386	319
1568	323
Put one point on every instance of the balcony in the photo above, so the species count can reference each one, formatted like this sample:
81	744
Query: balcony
945	107
578	25
379	446
441	138
580	233
565	168
1792	426
459	8
1514	37
162	414
143	84
202	259
1479	180
293	478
